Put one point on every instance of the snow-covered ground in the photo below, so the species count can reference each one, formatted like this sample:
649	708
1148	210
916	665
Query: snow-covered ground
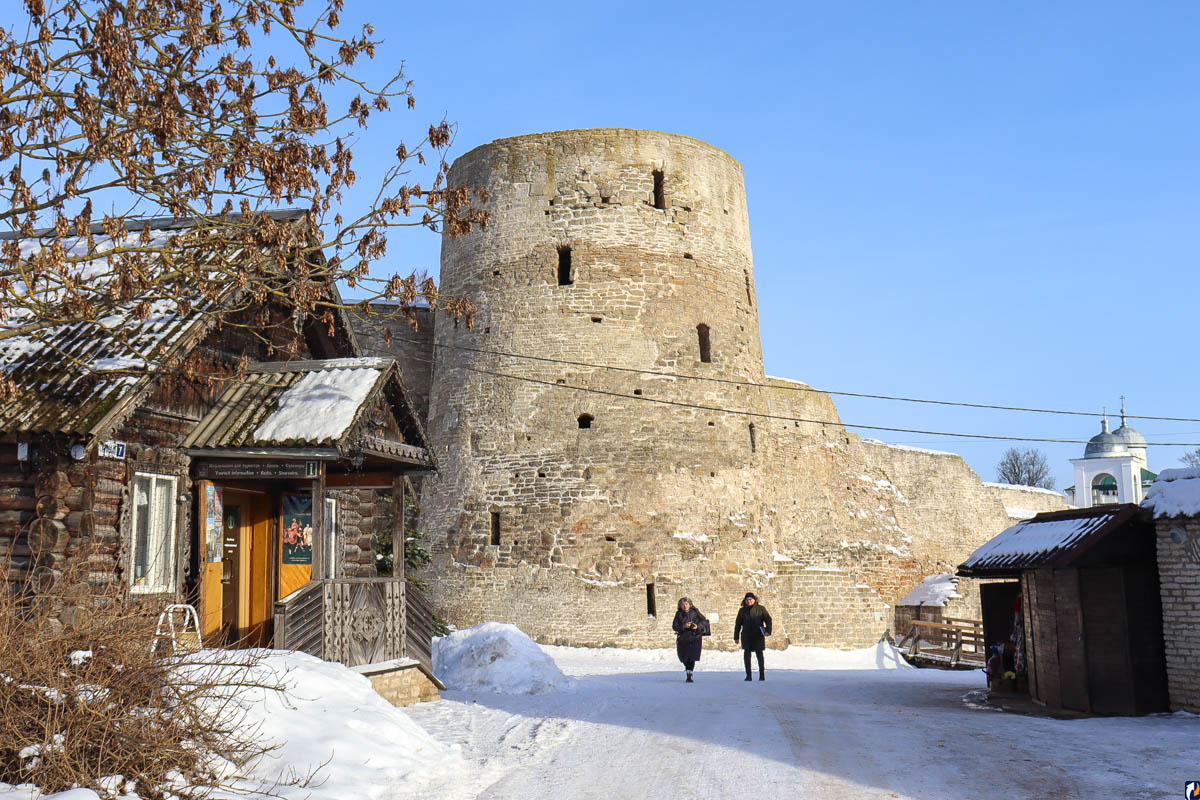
616	724
825	724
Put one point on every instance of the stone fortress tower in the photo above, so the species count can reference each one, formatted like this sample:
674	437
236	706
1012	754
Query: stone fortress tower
579	501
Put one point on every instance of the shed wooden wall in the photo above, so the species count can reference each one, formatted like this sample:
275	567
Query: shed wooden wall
1094	639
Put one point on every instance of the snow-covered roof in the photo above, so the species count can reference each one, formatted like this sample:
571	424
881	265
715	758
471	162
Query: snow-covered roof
1176	493
77	377
321	406
935	590
1049	538
297	404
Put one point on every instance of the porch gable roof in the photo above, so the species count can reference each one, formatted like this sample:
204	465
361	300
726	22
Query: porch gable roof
309	404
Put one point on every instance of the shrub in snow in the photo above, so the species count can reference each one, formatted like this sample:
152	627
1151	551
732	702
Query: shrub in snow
499	657
85	703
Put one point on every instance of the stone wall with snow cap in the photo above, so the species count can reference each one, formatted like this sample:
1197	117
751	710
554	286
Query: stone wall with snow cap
1174	500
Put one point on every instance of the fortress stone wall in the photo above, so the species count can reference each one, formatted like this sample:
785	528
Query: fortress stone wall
572	499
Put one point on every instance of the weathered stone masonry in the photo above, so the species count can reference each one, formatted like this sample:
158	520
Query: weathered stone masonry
569	495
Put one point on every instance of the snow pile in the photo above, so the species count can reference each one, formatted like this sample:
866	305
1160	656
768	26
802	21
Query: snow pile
499	657
321	406
1176	493
328	723
332	722
935	590
1016	512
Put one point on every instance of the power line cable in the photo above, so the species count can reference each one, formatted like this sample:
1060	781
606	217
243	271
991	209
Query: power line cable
805	388
778	417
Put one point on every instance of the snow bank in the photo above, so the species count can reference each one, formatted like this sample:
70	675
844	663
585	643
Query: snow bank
580	661
328	723
1176	493
499	657
27	792
332	722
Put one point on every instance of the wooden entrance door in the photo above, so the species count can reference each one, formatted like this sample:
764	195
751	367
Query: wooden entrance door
231	573
237	592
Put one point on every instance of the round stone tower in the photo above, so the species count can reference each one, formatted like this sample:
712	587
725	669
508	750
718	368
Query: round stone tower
620	248
607	441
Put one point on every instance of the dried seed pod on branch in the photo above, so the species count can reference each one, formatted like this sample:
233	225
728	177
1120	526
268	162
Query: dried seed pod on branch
211	115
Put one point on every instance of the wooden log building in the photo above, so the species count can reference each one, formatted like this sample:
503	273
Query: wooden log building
1093	635
253	483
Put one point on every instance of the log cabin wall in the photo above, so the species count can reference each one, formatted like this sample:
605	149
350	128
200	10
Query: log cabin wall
56	510
360	512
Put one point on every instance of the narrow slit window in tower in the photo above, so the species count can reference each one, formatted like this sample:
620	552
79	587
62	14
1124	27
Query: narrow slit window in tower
753	440
650	609
585	420
749	299
496	527
564	266
660	195
705	344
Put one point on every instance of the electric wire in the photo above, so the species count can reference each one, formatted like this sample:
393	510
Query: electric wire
776	417
803	388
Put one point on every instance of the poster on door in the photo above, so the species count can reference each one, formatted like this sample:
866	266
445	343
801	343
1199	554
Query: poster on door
214	513
297	529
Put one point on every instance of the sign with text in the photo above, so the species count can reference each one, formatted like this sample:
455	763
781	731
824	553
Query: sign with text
216	470
112	449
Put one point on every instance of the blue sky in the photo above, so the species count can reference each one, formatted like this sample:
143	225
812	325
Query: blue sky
949	201
995	205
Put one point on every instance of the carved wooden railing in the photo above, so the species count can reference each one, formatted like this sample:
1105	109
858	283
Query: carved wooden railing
418	640
351	620
299	620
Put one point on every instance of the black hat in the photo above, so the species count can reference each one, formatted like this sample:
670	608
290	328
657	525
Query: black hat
749	595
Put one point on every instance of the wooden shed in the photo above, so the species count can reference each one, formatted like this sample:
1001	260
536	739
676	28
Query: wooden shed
1092	638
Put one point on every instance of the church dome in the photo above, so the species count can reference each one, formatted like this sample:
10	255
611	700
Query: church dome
1107	443
1128	435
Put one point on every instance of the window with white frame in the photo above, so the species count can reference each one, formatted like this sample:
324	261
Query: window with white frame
152	545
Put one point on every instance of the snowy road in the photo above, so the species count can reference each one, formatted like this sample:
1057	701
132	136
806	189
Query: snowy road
815	728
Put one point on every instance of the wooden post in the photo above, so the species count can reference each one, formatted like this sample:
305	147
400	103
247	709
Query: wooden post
400	636
320	570
398	525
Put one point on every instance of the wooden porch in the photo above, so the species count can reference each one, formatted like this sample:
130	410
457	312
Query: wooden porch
357	621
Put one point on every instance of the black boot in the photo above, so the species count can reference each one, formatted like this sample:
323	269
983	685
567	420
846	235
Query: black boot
761	677
689	677
748	676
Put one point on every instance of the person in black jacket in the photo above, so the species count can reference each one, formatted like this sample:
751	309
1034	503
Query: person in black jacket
752	626
690	627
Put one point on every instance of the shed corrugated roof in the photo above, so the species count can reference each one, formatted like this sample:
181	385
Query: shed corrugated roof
296	404
1046	539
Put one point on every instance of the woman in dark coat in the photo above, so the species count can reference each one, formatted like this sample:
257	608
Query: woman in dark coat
752	626
690	627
